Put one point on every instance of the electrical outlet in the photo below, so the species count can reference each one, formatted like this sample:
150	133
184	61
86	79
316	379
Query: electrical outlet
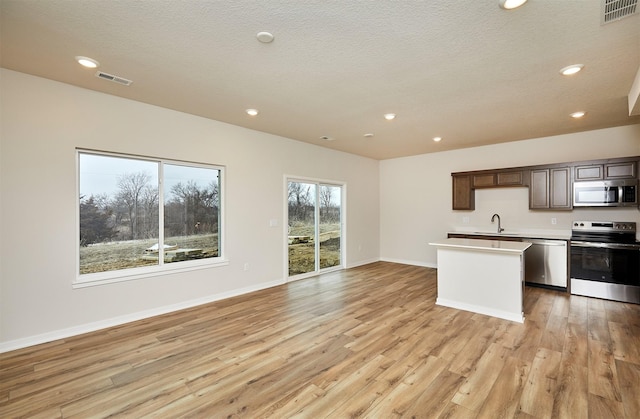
465	220
554	221
246	266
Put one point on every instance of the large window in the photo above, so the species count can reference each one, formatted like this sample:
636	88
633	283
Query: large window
141	215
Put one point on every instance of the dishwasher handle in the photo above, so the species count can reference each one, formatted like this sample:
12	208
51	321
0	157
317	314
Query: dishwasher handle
548	242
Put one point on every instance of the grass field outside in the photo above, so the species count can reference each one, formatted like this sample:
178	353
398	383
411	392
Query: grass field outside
113	256
302	255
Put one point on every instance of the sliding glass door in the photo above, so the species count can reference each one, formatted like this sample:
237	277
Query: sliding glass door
315	227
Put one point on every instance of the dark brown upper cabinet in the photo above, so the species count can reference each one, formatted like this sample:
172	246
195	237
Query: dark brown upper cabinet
624	170
511	178
550	186
550	189
613	170
463	194
589	172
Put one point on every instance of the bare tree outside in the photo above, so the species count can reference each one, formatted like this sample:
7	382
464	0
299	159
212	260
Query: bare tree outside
131	190
330	226
191	209
301	202
325	200
149	201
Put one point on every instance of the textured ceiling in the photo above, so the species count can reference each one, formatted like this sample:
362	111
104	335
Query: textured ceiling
467	71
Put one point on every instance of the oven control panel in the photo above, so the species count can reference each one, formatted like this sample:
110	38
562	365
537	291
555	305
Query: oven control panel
624	226
604	226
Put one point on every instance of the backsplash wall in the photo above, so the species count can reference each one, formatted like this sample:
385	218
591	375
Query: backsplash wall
513	207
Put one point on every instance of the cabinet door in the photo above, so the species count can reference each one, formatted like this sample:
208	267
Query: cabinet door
510	178
484	181
463	194
550	189
591	172
539	189
560	188
626	170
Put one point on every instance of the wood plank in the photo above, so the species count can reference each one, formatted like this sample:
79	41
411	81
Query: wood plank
572	390
407	393
603	380
289	407
465	361
333	397
629	377
538	393
625	341
578	310
600	407
503	400
437	396
523	339
475	388
553	336
576	349
455	411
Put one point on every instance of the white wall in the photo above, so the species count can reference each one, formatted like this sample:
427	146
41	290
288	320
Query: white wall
42	122
415	192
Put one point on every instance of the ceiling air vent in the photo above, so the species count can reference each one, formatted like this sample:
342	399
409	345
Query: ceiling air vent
111	77
613	10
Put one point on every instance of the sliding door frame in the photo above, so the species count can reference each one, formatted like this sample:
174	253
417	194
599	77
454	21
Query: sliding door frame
343	217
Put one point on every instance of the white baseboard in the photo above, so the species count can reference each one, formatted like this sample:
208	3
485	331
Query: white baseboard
116	321
501	314
362	263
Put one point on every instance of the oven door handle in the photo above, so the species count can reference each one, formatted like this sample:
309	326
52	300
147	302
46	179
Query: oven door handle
606	245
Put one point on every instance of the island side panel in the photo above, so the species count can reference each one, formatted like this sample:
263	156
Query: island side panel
481	281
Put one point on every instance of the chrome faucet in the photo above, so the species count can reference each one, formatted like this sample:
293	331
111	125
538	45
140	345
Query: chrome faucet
493	217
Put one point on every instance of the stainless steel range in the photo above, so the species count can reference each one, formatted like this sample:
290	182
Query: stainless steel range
605	260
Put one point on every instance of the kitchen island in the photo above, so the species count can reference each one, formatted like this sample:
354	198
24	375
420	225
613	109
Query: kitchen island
482	276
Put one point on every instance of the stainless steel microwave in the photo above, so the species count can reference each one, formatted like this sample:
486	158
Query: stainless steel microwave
606	193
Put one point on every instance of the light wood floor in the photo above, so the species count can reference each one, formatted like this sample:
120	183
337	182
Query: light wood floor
365	342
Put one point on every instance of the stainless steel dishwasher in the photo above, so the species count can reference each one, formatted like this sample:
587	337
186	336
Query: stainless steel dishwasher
545	263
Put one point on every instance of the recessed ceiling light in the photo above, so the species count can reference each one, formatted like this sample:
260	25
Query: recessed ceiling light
511	4
437	139
389	116
264	37
572	69
252	112
368	135
326	138
579	114
87	62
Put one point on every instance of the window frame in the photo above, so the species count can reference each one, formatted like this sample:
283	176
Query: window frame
162	268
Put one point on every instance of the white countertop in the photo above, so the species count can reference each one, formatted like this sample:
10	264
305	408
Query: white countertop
501	246
534	234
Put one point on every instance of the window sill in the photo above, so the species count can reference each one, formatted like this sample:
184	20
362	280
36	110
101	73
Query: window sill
104	278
